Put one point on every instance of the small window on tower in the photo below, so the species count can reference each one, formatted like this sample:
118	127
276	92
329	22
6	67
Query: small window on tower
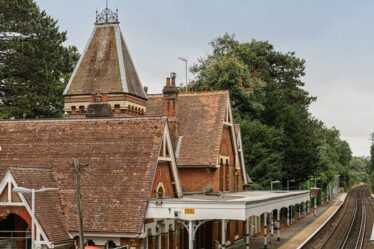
73	109
81	109
117	109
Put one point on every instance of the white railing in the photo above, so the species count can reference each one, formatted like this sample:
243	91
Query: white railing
15	234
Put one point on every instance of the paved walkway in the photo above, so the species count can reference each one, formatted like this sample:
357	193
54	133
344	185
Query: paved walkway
300	230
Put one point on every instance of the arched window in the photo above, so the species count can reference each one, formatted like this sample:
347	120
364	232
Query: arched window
160	191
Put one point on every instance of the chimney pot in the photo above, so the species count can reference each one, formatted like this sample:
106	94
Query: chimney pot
170	96
146	89
173	76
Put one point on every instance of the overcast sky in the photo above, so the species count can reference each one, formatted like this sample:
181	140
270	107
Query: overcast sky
335	38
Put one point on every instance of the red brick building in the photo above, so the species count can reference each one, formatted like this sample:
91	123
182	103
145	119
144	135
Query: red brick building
133	148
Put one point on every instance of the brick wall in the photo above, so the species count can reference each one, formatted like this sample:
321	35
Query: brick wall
163	176
226	150
132	243
197	179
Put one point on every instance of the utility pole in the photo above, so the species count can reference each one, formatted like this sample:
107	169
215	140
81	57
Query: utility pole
186	65
77	172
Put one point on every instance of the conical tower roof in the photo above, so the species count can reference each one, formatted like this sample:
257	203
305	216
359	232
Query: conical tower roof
105	65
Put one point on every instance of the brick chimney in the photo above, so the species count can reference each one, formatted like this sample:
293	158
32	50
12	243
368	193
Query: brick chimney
170	96
170	106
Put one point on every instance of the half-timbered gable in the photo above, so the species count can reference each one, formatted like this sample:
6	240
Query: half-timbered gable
17	207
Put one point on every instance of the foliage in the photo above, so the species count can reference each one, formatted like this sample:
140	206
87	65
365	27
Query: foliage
34	63
281	139
358	171
334	156
264	153
371	162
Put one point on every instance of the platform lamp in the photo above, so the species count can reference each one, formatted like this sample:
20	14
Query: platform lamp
185	60
271	184
315	181
22	190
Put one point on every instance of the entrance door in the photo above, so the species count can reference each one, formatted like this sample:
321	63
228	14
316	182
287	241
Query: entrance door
14	233
204	236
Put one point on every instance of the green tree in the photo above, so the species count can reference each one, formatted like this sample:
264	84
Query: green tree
334	156
263	150
358	170
34	64
371	162
267	93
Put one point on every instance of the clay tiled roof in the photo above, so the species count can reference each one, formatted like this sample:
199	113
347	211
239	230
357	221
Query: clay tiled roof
200	122
106	66
121	155
47	204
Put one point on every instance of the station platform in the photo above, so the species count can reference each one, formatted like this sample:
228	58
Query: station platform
294	236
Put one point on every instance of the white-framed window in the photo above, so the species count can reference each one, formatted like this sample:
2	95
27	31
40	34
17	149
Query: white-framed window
160	191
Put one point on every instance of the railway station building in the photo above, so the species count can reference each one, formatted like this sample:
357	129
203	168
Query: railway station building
156	171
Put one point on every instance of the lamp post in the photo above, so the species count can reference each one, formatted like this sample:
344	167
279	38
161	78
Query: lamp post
315	198
271	184
288	184
185	60
32	191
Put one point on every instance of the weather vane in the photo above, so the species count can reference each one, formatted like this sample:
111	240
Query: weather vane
107	15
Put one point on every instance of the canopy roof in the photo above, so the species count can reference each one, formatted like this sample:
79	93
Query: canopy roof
231	206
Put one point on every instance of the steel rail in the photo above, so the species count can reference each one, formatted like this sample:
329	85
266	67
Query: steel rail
353	227
361	235
351	200
343	242
348	202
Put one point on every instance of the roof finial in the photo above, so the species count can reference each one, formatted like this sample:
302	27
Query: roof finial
107	15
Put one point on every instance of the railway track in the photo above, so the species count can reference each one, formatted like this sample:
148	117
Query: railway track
350	228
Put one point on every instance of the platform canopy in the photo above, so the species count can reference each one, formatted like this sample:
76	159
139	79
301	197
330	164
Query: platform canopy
229	206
